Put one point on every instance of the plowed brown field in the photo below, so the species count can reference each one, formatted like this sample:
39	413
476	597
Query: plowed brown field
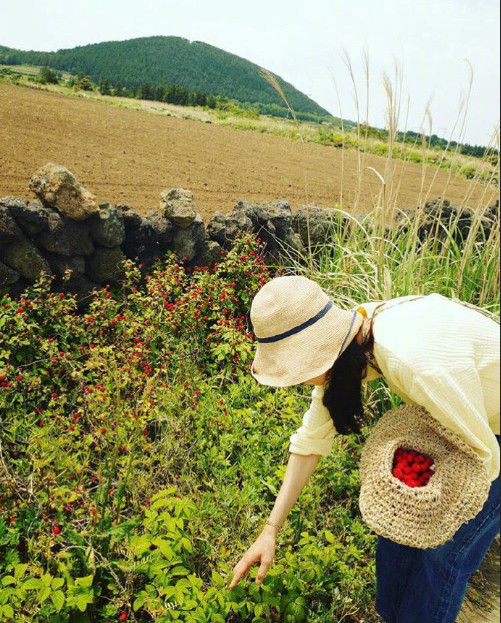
127	156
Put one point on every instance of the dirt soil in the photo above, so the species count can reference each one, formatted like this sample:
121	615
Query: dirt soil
127	156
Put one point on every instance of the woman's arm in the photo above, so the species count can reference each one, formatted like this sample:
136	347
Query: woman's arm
317	432
299	469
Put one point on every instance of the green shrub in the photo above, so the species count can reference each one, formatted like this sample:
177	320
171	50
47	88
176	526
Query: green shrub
139	457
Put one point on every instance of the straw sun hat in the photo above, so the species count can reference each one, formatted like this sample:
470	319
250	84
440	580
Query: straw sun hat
299	330
427	516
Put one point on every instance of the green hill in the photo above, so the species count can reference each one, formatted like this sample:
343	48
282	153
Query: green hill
161	60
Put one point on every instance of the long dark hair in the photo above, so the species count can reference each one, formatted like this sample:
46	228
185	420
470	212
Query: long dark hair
343	387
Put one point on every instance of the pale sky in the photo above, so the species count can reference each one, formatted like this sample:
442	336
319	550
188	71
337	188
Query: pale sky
303	42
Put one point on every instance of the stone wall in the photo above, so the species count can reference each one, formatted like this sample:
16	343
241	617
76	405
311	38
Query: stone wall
66	228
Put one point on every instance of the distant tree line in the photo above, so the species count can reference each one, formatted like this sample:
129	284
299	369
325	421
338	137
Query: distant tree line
434	141
170	93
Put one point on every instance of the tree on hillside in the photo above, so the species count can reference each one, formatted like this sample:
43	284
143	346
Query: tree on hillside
223	103
211	102
180	95
119	90
159	93
48	76
82	82
85	84
145	91
197	98
104	87
10	58
176	94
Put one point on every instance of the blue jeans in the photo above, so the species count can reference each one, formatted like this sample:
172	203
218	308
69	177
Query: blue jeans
429	585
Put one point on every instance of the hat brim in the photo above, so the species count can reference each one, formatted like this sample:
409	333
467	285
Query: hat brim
307	354
420	517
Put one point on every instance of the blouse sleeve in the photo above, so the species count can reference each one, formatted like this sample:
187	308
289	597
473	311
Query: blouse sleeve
317	432
455	398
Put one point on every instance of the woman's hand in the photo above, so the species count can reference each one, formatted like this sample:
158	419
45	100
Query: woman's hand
299	469
263	551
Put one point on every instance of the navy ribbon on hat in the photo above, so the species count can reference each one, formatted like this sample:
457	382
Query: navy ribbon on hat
294	330
348	334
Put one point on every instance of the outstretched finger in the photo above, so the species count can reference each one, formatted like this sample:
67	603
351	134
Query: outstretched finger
238	572
263	570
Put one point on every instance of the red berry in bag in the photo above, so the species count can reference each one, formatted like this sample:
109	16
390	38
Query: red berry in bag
412	468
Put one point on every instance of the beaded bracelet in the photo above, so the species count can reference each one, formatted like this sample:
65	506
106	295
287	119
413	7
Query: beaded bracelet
271	523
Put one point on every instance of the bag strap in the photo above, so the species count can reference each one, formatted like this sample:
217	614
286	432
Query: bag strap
480	310
387	305
371	360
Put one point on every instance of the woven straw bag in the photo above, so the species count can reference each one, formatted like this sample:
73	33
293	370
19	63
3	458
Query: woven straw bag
421	517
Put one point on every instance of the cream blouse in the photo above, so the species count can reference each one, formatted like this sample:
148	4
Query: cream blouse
435	353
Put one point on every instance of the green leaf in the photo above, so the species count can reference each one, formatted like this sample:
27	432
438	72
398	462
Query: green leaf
254	589
33	583
179	596
57	598
47	579
169	591
44	593
139	601
20	570
187	545
83	600
57	583
8	611
299	613
8	579
164	547
217	579
329	536
163	493
159	504
85	582
179	571
139	545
